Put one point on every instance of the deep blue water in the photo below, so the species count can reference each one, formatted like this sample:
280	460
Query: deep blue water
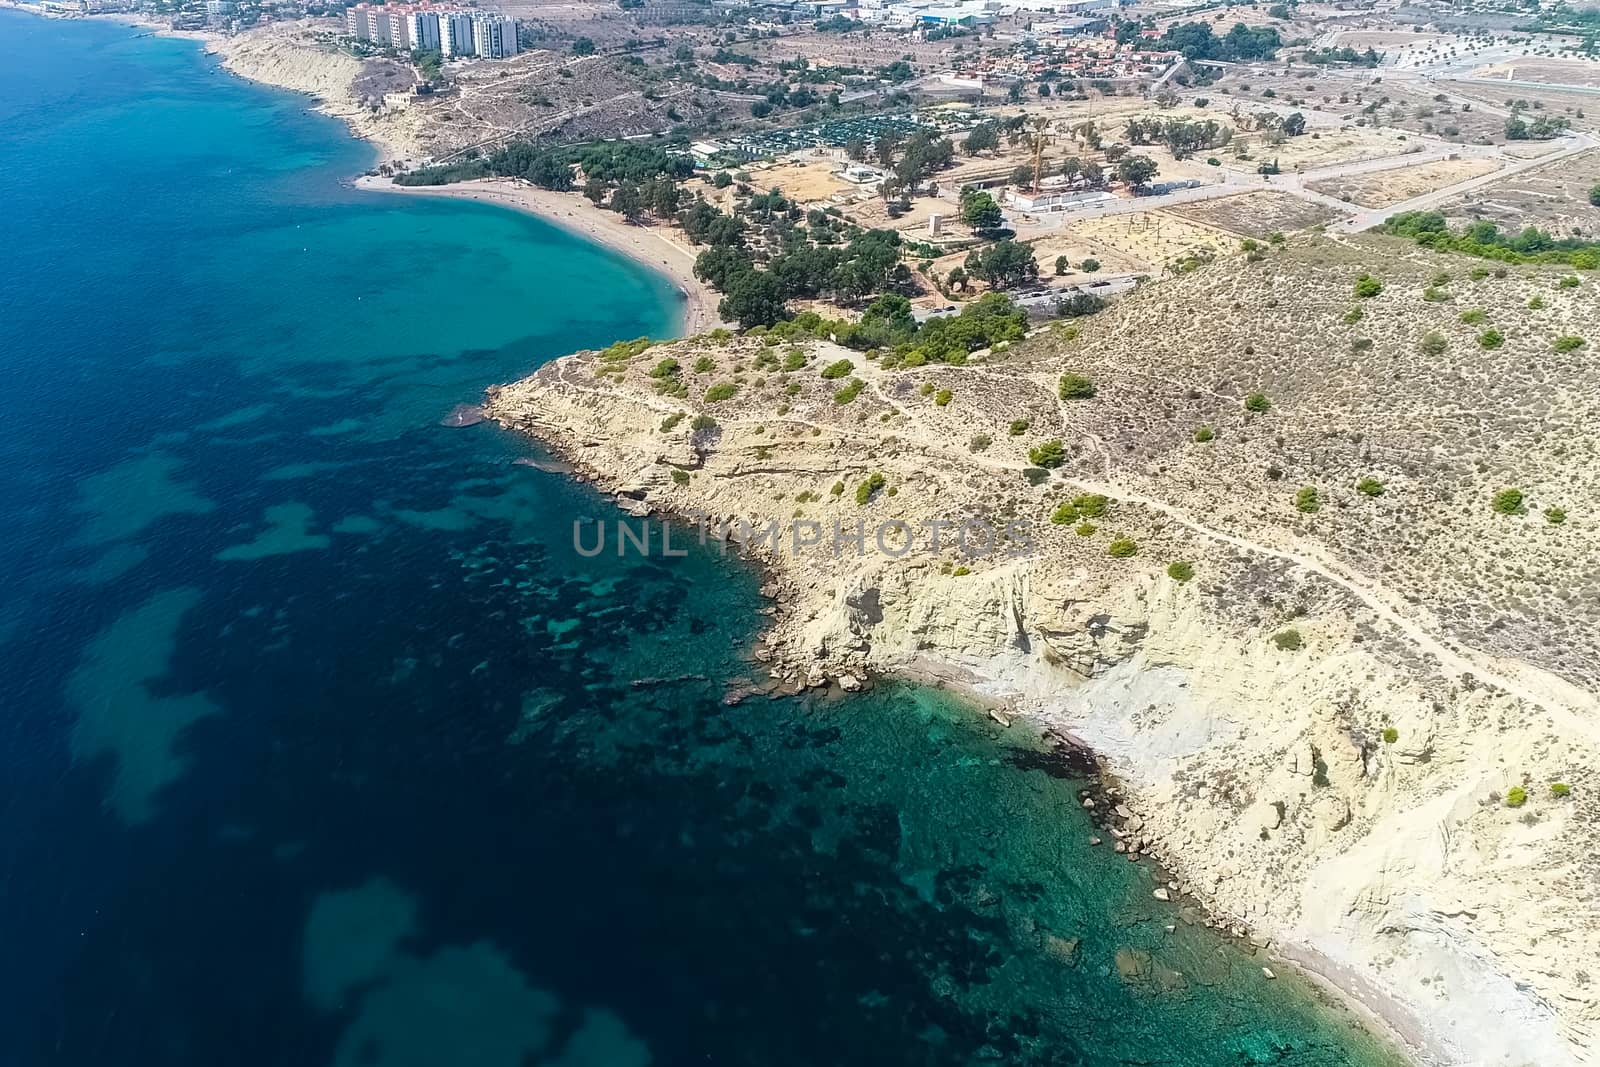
320	745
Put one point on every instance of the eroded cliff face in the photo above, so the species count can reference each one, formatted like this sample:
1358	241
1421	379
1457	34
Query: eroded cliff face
1342	795
1394	869
292	56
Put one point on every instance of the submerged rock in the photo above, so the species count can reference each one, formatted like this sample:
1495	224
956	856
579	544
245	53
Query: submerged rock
464	415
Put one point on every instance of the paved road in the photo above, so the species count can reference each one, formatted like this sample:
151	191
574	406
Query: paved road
1364	220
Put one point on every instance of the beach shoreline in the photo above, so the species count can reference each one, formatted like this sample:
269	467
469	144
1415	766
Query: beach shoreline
649	246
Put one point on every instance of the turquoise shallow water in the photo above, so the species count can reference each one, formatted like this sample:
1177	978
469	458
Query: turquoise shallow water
320	745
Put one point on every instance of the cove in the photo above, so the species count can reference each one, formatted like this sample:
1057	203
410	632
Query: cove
323	745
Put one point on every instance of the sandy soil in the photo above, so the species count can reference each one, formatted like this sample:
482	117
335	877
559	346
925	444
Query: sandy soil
652	246
1384	188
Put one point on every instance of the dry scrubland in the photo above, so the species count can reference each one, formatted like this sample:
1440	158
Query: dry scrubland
1385	188
1256	214
1321	725
539	94
1553	197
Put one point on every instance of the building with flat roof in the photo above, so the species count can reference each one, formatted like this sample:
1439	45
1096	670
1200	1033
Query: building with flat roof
452	32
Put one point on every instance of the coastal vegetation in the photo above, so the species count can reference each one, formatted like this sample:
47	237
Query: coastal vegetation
1485	239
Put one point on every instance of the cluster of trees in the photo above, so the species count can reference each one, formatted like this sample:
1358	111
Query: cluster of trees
1182	137
1196	41
659	196
1323	57
888	331
614	161
1542	128
1531	245
551	168
911	160
1136	171
888	326
1003	264
980	211
985	137
756	296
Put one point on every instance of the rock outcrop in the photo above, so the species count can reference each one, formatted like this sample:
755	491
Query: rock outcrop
1320	757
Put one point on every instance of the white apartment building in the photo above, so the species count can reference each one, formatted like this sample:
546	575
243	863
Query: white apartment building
494	36
453	32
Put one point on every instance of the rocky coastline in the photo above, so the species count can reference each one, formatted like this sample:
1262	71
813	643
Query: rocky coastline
1317	771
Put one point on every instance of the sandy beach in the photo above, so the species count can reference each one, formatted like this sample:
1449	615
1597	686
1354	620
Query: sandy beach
651	246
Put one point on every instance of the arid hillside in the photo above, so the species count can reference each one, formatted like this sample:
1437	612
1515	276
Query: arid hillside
1456	381
1308	553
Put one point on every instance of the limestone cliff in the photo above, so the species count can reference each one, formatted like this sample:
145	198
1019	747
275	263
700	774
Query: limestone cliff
1325	751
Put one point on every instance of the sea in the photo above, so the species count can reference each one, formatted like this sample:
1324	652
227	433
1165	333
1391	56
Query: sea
319	743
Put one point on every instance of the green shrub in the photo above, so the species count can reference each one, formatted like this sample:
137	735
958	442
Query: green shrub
1478	274
720	392
1433	344
1516	796
849	392
1092	505
705	365
1491	339
1076	387
838	489
1353	316
1568	343
980	442
1369	486
1555	516
1085	529
839	368
1288	640
961	572
943	397
1390	735
1306	500
1048	454
794	361
1018	427
1180	571
1435	296
1257	402
1064	514
1568	281
1203	434
1122	548
1089	266
667	368
1473	316
1536	303
703	422
1560	789
865	490
1367	286
680	477
1509	502
670	421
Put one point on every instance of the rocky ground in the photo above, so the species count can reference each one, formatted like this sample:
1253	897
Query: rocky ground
1321	716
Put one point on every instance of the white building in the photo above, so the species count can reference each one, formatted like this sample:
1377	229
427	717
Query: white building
422	30
455	34
494	36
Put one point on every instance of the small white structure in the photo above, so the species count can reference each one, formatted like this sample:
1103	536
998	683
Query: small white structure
1056	199
935	221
